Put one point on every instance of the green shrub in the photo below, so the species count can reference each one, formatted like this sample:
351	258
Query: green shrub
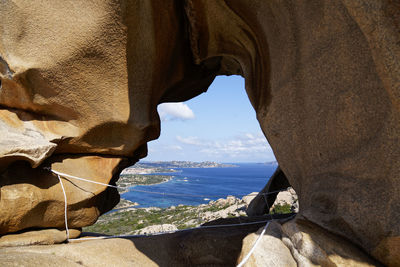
282	209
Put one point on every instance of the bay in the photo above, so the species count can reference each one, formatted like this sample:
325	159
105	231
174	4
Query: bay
195	186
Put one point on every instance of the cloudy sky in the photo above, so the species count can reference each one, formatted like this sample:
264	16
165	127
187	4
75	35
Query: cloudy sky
219	125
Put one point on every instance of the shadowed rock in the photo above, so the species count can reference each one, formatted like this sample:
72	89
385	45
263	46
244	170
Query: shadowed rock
204	247
264	200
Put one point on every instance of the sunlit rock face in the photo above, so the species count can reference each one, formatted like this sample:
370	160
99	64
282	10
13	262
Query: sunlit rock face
80	82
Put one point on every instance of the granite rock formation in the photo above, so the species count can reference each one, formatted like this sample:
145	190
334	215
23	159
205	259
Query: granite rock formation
302	243
323	78
200	247
83	79
80	84
33	198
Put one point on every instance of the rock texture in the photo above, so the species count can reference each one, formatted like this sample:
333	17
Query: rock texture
40	237
295	243
301	243
34	198
323	78
312	245
83	79
270	251
201	247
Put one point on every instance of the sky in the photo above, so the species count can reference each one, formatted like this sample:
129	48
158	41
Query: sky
219	125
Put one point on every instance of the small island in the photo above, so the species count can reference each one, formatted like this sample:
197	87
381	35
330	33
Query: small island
128	180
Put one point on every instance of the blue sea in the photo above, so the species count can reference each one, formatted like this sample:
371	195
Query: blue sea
200	185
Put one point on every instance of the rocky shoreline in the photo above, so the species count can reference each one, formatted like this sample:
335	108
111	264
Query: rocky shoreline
139	221
126	181
126	218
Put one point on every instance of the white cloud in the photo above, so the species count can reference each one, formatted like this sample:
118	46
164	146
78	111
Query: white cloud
243	146
191	140
174	111
175	147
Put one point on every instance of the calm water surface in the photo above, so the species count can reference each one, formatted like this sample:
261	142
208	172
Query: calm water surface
210	183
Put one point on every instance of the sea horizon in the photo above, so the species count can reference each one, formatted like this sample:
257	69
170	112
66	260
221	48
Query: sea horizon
220	162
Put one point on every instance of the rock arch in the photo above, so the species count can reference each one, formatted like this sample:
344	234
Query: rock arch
322	77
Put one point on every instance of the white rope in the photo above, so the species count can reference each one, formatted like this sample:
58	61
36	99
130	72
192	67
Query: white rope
245	259
82	179
65	208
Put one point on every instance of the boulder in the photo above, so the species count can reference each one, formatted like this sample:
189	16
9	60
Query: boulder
301	243
270	251
34	198
200	247
248	198
152	229
39	237
288	197
228	201
312	245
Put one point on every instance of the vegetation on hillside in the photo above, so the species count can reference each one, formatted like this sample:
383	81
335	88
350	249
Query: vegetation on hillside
128	222
127	180
133	220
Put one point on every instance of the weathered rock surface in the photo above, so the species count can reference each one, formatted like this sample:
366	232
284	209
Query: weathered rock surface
34	198
39	237
302	243
82	80
311	245
204	247
295	243
322	76
270	251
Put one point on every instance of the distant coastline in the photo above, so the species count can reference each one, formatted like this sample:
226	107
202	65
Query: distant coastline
186	164
139	212
150	173
170	166
161	177
131	179
157	172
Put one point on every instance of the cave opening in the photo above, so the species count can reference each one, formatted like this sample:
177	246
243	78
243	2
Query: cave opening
211	164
